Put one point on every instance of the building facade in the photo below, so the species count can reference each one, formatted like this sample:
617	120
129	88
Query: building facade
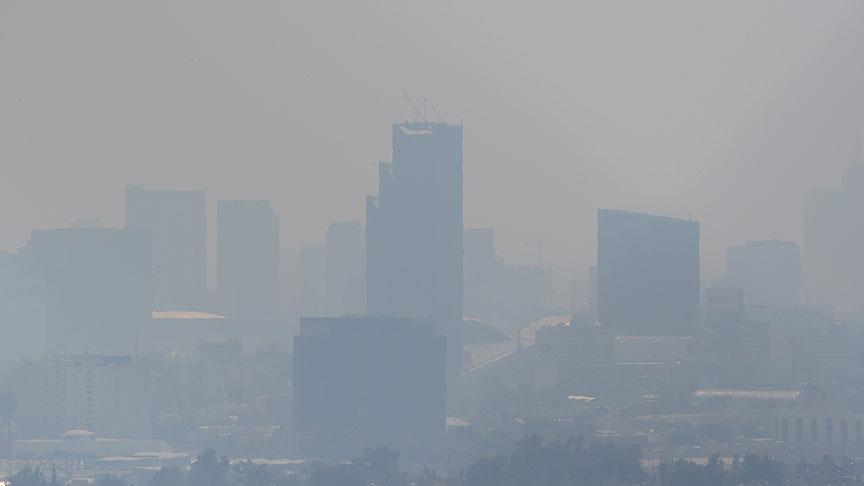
106	395
369	378
177	222
414	230
768	273
648	273
247	259
98	288
833	238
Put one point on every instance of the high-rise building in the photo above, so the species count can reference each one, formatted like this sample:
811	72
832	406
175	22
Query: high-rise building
177	222
107	395
768	272
22	308
648	273
369	379
247	259
98	287
414	230
833	238
345	274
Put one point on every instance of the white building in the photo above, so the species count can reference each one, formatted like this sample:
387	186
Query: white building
107	395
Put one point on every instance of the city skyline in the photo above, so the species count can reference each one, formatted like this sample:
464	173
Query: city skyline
737	122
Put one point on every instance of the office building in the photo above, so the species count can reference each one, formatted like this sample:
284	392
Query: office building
345	273
369	379
576	357
106	395
22	308
833	238
98	287
648	273
247	259
768	273
177	222
414	230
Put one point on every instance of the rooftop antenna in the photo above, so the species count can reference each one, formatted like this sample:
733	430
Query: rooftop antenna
413	105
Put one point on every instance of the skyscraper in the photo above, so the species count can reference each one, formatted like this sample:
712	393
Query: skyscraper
22	308
648	273
769	273
833	239
345	263
247	258
177	222
414	230
98	287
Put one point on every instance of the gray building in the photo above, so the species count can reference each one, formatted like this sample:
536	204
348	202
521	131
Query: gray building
833	238
345	268
107	395
22	308
177	222
648	273
247	259
414	230
98	287
768	272
369	380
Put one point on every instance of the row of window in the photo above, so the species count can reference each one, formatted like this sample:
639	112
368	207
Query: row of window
816	434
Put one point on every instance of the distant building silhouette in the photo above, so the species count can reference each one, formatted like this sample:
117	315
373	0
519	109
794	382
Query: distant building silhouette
769	273
98	286
345	262
177	221
483	271
833	239
22	308
247	259
369	379
648	273
313	280
414	230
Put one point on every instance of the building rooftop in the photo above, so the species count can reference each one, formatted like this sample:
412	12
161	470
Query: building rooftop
185	315
747	394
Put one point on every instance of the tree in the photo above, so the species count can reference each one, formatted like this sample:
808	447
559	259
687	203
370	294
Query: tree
247	473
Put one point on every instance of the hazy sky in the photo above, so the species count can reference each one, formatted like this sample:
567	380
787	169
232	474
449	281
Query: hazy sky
729	111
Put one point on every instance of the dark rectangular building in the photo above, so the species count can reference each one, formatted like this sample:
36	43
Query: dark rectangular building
373	378
648	273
